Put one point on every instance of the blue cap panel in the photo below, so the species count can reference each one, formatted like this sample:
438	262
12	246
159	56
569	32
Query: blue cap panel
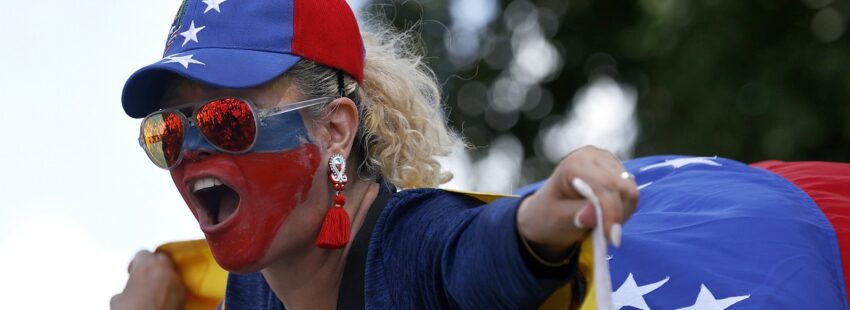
250	25
224	68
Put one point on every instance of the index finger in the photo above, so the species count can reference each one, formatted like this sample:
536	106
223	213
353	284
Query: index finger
141	257
607	215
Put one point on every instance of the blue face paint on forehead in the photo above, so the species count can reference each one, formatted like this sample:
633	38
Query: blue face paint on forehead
282	132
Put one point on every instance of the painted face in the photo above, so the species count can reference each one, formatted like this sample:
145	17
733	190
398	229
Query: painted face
242	201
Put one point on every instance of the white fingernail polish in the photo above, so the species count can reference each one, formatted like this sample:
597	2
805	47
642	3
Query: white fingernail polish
577	217
616	234
576	221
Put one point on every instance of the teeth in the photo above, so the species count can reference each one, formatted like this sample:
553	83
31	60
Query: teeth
205	183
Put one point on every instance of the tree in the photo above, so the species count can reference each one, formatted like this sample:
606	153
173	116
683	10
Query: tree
749	80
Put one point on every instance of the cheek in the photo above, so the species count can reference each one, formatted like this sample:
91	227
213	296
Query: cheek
280	178
177	174
278	182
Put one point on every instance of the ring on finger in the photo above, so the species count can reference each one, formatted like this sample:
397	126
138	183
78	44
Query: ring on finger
627	176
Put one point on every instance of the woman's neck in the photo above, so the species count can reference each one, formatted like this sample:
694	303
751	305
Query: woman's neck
311	278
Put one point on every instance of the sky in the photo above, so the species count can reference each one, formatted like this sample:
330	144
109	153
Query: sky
79	195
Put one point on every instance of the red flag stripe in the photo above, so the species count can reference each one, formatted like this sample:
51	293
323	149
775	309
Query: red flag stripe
828	184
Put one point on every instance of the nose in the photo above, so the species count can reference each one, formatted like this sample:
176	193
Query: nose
195	147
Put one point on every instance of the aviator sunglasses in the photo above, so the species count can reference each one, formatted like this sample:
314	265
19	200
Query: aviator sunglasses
229	124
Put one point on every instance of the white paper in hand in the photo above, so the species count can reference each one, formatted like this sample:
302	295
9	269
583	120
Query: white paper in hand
602	277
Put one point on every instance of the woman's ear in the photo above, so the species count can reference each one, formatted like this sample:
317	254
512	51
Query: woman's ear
341	125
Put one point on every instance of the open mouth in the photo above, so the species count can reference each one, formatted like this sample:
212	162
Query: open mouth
217	201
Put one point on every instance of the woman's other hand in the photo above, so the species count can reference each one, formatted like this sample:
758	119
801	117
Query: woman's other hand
153	284
555	217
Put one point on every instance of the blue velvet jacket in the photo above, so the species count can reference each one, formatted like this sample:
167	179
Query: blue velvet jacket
435	249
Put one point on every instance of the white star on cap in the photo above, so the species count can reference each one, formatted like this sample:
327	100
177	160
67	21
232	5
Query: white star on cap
212	5
185	60
192	33
707	301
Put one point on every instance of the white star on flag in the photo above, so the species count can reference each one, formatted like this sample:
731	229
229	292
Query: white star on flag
681	162
192	33
630	294
185	60
212	5
707	301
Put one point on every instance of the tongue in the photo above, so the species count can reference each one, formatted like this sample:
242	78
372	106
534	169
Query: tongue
227	205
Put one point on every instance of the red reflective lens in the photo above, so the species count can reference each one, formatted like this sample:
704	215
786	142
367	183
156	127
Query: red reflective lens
227	123
163	138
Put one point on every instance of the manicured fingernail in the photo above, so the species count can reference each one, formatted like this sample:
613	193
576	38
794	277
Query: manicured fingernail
616	234
577	218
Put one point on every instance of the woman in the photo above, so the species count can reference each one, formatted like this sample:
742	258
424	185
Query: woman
257	109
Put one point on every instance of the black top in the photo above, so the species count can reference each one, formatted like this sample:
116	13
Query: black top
351	289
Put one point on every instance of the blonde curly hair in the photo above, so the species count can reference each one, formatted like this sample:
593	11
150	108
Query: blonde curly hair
402	122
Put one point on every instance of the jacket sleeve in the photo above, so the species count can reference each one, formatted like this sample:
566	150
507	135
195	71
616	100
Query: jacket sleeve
459	253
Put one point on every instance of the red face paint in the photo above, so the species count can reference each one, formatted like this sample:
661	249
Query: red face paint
270	185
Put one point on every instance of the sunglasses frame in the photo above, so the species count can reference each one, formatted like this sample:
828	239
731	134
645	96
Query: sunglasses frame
259	115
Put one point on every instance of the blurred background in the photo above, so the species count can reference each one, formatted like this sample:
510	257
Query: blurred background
529	81
525	81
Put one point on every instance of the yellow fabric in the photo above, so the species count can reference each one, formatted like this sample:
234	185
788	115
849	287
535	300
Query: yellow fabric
206	282
585	268
485	197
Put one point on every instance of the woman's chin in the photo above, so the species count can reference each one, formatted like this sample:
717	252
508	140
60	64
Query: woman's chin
241	262
245	269
243	243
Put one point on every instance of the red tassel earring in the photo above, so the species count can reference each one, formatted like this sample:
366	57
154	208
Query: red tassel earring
336	228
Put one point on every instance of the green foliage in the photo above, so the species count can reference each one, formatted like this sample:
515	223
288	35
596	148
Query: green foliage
750	80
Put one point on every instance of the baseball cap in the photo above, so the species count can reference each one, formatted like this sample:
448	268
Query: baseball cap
246	43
